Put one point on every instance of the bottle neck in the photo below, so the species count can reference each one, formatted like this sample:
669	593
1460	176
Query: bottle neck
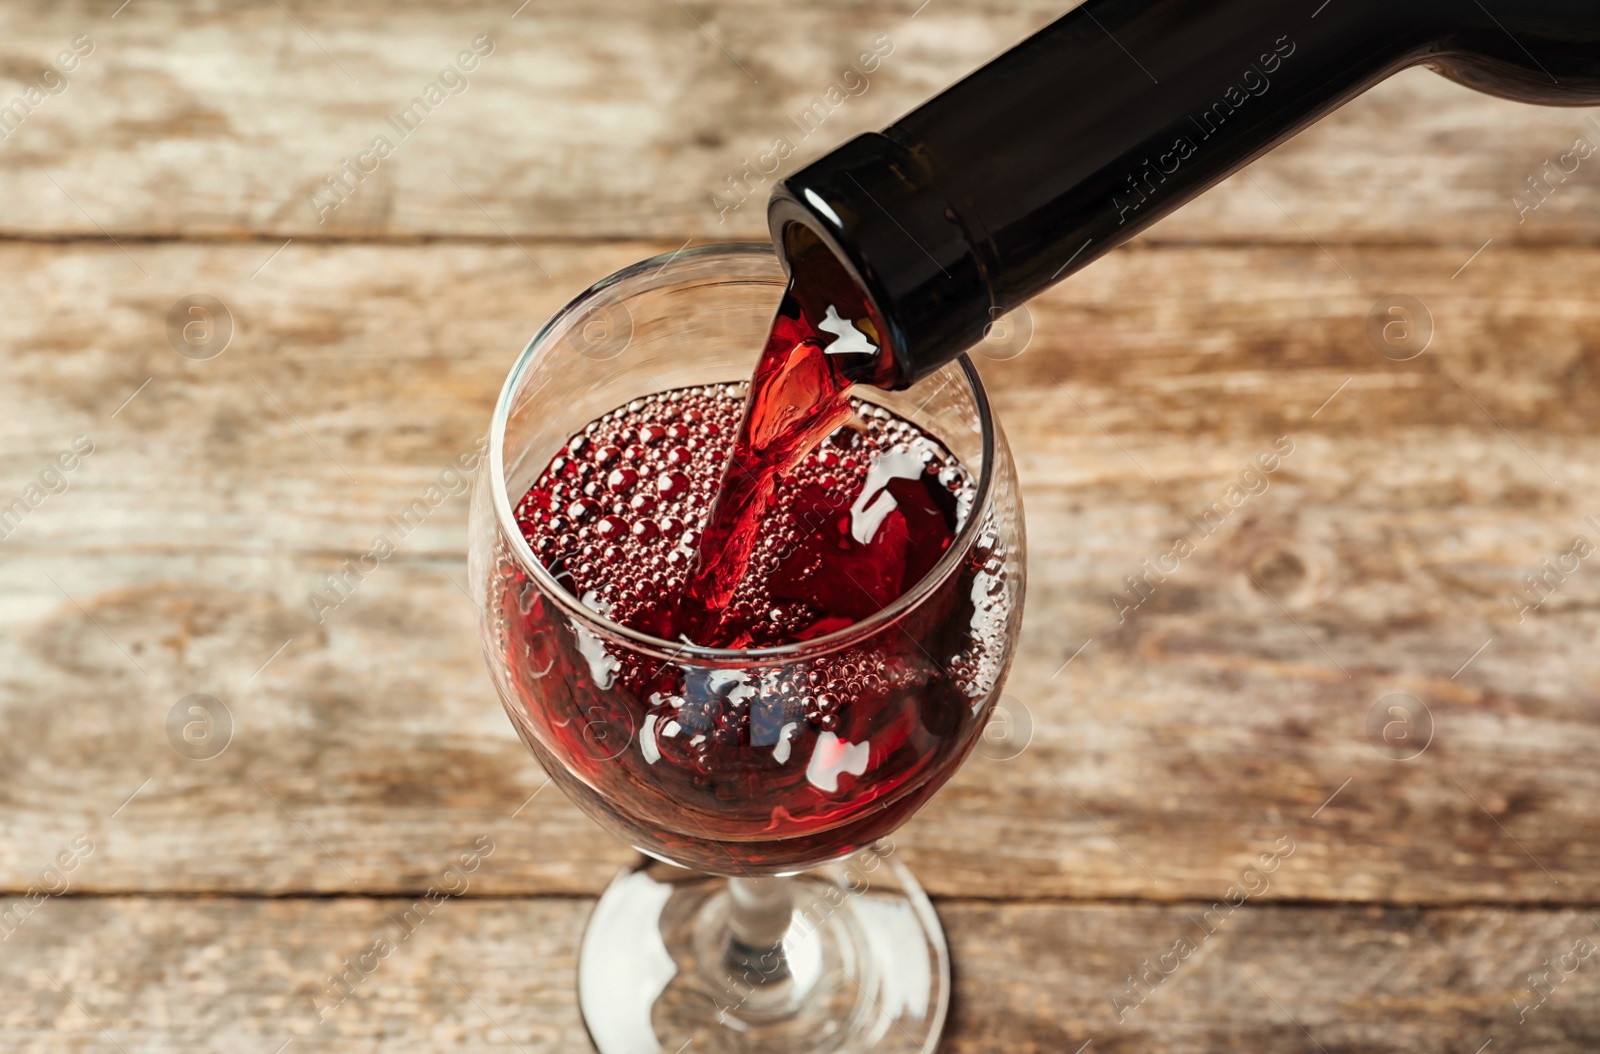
1119	113
1103	123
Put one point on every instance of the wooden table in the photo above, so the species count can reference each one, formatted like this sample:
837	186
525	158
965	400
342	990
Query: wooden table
1248	705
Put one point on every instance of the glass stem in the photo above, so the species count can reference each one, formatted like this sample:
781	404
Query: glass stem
759	910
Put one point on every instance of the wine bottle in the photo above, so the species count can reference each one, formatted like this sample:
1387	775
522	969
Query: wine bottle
1110	118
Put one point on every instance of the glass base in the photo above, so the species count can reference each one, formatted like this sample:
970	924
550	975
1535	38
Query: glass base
862	966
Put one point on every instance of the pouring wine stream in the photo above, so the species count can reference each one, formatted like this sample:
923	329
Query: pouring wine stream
797	397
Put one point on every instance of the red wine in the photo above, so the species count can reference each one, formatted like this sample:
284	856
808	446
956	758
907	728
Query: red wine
753	516
821	339
850	527
785	764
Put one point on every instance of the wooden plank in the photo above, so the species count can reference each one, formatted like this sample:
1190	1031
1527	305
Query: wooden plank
1043	978
143	975
330	341
1224	714
224	122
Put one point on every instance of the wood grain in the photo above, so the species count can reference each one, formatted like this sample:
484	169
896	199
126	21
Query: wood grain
151	976
200	120
1179	745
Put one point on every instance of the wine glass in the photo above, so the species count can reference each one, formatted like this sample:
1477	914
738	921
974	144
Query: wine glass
772	914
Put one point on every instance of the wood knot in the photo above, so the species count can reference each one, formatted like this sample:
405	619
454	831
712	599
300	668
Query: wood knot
1295	573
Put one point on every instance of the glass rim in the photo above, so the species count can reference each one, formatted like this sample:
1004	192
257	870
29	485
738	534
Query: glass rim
677	651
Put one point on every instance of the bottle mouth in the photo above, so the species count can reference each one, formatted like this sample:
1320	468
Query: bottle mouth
874	206
828	273
731	261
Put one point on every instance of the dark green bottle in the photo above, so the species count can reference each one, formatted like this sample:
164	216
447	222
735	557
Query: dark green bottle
1110	118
